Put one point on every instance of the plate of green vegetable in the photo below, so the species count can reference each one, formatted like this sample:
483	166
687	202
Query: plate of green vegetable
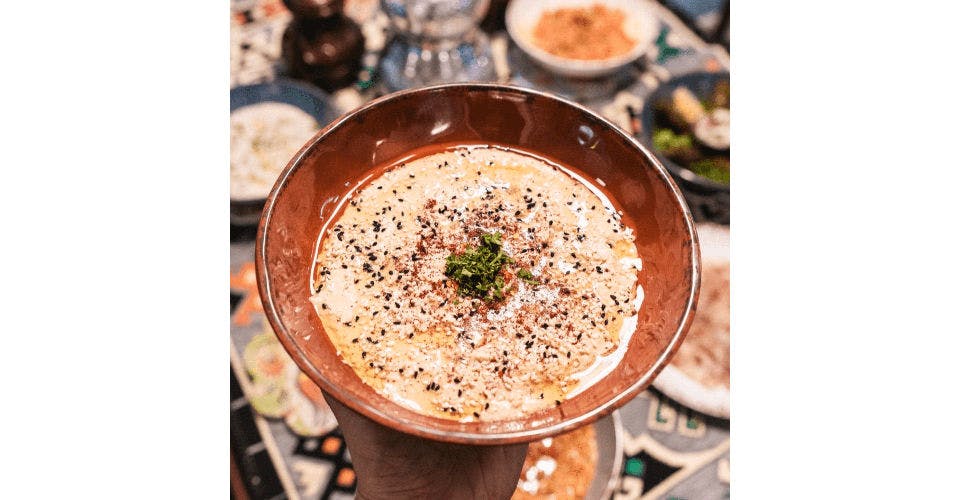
686	121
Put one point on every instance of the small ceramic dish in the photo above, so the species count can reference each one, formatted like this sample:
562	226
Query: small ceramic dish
608	438
311	100
701	84
389	128
609	435
640	25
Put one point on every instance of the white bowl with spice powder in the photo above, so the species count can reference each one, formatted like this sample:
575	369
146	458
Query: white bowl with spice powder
582	38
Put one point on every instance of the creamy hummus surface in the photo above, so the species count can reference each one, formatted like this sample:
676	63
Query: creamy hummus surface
570	291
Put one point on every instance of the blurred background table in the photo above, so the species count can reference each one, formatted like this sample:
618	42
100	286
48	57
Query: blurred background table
670	451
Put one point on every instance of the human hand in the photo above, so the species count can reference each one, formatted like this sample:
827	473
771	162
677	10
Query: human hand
394	465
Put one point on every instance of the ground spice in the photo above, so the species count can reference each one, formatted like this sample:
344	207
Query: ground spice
594	32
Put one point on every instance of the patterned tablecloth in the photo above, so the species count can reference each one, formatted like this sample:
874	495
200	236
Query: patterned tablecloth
289	446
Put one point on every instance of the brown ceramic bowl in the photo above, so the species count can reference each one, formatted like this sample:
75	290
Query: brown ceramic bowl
387	128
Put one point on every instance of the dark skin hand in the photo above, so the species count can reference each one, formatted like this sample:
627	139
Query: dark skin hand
394	465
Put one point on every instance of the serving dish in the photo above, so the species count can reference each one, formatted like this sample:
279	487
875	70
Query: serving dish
609	435
608	441
701	84
387	129
684	388
305	97
640	24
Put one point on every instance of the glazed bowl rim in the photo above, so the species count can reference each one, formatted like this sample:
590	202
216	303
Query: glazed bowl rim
378	414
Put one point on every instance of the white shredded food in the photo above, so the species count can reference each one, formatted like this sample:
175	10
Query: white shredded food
263	138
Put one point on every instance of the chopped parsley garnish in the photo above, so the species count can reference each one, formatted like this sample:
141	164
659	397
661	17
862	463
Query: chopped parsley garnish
527	276
477	270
